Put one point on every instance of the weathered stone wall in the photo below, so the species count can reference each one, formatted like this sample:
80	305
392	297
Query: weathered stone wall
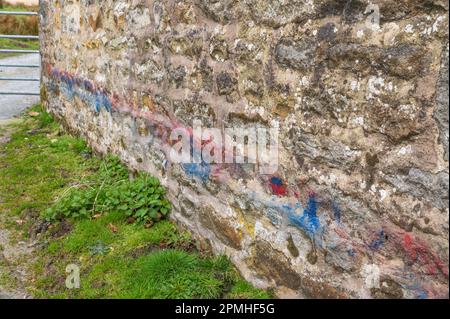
362	184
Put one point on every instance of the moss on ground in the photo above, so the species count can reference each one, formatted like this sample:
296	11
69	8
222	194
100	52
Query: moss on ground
118	258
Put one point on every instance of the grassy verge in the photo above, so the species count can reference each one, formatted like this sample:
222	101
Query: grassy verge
13	44
21	8
19	44
119	256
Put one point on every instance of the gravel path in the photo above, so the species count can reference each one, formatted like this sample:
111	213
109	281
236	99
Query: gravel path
13	251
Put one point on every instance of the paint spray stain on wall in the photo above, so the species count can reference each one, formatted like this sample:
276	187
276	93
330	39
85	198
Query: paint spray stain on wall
277	186
418	252
279	205
308	221
201	171
336	212
72	86
380	238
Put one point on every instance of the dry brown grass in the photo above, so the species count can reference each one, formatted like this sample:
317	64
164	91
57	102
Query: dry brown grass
21	25
18	25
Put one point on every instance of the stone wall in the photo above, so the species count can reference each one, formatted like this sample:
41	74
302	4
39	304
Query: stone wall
361	192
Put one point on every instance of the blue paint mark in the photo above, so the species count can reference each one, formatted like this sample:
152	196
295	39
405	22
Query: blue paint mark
351	252
276	180
305	219
88	86
422	294
419	292
274	216
72	86
102	101
98	102
379	241
278	188
309	221
107	103
201	170
336	212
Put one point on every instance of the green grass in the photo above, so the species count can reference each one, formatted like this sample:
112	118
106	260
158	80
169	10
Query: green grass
19	44
38	162
10	7
175	274
117	259
13	44
141	199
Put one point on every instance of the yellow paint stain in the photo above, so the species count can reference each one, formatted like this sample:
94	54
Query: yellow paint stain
135	100
248	225
57	21
148	104
92	44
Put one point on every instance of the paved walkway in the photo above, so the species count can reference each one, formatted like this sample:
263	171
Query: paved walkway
12	105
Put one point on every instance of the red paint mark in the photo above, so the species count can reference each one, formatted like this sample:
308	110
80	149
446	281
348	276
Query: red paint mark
279	190
278	187
419	253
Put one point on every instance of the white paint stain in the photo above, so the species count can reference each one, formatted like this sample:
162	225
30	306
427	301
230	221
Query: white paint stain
409	28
